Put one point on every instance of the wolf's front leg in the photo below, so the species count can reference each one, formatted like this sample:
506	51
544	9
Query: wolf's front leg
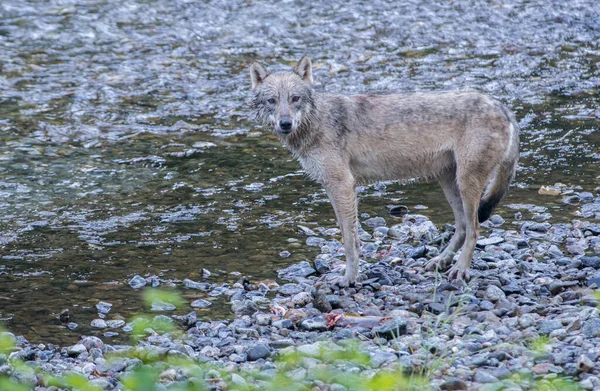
342	195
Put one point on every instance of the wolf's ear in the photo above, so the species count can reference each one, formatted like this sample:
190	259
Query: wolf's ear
258	73
304	69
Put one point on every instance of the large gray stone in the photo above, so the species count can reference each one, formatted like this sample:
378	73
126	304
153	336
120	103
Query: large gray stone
391	329
258	351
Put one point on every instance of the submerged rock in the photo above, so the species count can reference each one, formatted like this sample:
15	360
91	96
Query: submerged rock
137	282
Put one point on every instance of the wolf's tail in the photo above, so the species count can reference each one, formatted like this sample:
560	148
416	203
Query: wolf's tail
504	174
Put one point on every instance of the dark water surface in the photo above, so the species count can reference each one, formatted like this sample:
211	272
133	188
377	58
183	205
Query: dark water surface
125	146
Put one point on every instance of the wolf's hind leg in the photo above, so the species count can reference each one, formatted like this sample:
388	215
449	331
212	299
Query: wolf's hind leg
471	189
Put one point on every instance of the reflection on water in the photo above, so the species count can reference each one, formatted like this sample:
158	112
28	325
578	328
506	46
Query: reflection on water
125	147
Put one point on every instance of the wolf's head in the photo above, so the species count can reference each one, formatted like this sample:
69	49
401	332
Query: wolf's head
283	100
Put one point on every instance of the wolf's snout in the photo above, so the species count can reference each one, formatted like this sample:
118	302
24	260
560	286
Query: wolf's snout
285	126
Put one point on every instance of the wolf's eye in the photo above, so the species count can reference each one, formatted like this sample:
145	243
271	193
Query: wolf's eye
295	98
271	101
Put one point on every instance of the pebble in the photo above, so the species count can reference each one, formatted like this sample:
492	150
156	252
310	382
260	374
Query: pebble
482	376
321	266
585	364
302	269
201	303
492	240
203	286
92	343
454	384
115	324
393	328
76	350
591	328
159	305
258	351
98	324
137	282
547	326
302	298
103	307
290	289
244	307
494	294
314	324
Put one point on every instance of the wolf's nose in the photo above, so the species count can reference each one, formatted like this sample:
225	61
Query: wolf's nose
285	124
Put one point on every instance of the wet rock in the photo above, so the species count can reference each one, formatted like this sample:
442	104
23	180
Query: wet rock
314	324
258	351
244	307
375	222
98	324
188	320
115	323
201	303
572	200
203	286
398	210
306	231
103	307
313	241
590	210
254	187
302	269
159	305
391	329
137	282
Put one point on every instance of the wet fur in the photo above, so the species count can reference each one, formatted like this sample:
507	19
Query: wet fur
465	140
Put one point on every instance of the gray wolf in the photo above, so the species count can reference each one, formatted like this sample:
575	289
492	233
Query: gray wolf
465	140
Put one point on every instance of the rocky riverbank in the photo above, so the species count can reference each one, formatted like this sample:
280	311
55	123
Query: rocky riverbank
528	315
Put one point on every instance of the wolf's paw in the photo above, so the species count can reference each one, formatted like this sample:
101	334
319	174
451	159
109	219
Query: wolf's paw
342	282
437	263
457	272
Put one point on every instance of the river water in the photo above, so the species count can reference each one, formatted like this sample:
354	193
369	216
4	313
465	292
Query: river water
126	146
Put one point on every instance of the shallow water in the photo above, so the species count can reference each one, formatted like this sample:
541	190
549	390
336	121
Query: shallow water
125	145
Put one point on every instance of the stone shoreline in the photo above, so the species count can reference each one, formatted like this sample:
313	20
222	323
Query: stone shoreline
528	314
